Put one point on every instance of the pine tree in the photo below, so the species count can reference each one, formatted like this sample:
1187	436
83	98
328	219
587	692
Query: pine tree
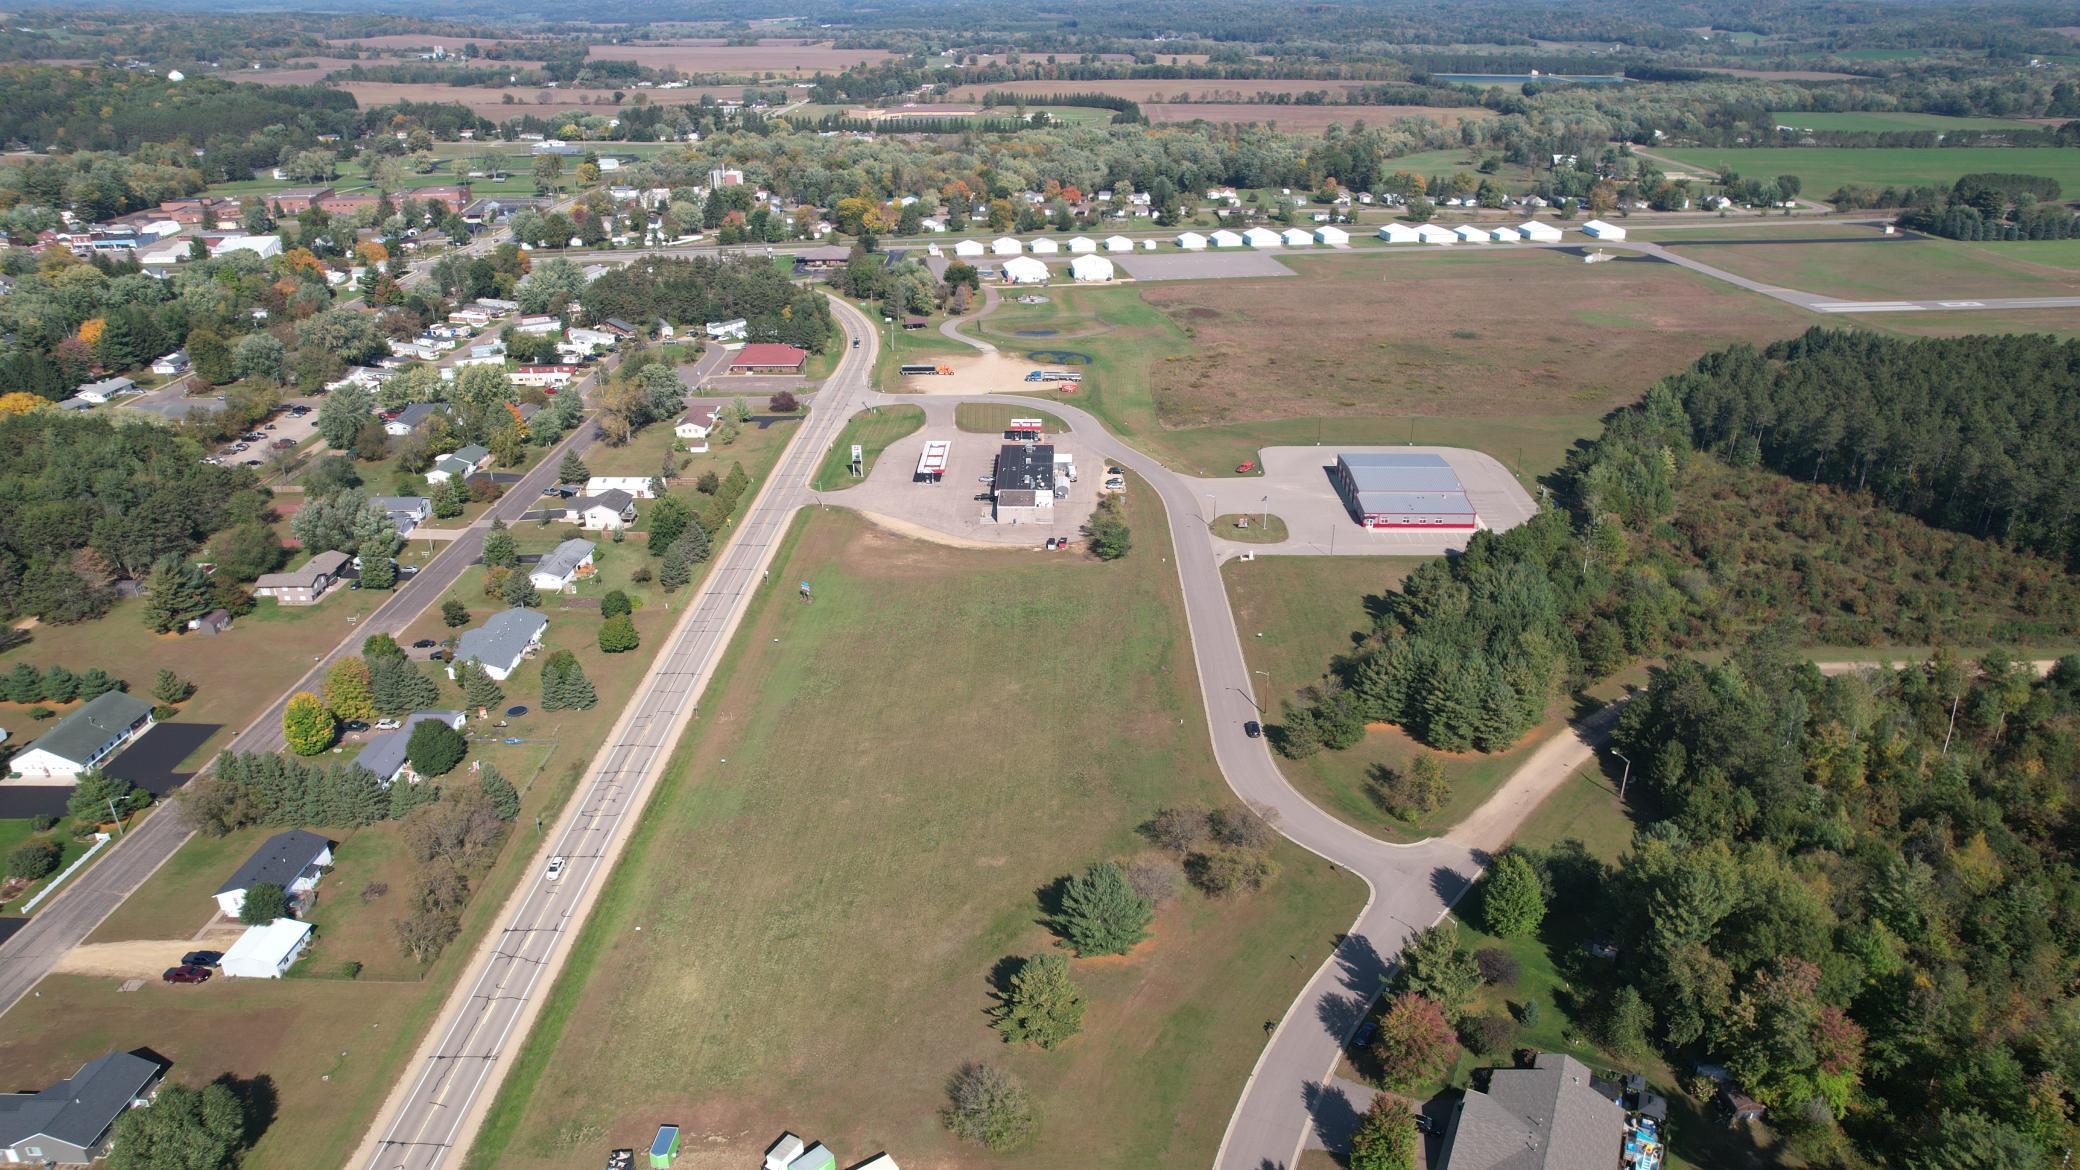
564	685
519	590
1101	913
674	572
168	687
454	613
1043	1006
1435	966
504	800
398	687
60	685
666	522
96	682
693	542
24	684
500	550
572	469
479	689
1513	902
175	592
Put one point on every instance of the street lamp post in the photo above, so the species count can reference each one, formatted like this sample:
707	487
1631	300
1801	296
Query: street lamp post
1625	777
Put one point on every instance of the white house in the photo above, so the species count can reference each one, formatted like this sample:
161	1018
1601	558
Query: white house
1043	246
1090	269
1398	233
1297	238
590	338
1539	233
172	364
1506	235
1333	236
1469	233
458	464
1006	246
734	329
543	323
1430	233
1191	241
501	644
637	486
1079	245
1024	270
1225	239
81	740
932	223
105	389
266	952
698	424
294	860
604	512
1261	237
969	248
1599	230
562	565
1118	244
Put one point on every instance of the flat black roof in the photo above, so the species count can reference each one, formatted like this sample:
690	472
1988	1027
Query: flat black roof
1025	467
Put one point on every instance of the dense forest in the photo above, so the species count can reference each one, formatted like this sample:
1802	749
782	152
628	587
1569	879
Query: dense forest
690	292
1980	434
1658	547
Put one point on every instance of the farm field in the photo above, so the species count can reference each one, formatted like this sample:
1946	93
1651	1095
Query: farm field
1896	267
787	57
1157	90
1826	169
832	992
487	102
1310	610
1891	121
1304	119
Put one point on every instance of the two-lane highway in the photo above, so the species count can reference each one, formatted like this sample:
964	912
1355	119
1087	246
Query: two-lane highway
437	1108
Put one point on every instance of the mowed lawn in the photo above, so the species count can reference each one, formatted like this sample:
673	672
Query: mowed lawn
1892	122
872	429
1298	614
855	835
1899	267
1515	353
1826	169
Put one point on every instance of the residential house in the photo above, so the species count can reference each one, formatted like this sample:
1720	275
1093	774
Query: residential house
537	323
564	564
294	860
412	417
306	583
735	329
459	464
637	486
550	378
266	952
587	340
1550	1116
384	753
472	315
604	512
172	365
69	1122
96	731
407	512
106	389
501	644
698	424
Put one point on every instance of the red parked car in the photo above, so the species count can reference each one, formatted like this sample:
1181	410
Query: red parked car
189	973
1248	465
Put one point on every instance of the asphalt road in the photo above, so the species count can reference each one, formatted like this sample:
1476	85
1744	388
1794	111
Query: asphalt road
458	1070
74	913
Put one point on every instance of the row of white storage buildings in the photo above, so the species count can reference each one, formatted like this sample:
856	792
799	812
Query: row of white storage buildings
1529	232
1045	246
1262	237
1083	269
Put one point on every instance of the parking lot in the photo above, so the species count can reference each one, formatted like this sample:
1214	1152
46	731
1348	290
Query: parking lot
1296	486
958	509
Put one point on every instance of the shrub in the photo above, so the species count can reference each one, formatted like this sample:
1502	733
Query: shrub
373	891
1243	827
1527	1013
41	713
1498	966
351	969
987	1105
1413	791
34	859
168	687
640	575
162	712
264	902
1487	1035
1179	830
1154	878
1226	870
614	604
42	823
617	635
784	403
1107	531
454	613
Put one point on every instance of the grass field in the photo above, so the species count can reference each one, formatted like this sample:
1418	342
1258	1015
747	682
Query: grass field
873	429
985	418
821	914
1891	121
1882	267
1825	169
786	57
1250	528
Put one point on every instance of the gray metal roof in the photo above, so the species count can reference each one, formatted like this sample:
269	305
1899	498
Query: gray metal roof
384	754
419	504
80	1108
1400	473
1415	504
416	413
565	558
475	453
279	859
502	638
1548	1117
79	735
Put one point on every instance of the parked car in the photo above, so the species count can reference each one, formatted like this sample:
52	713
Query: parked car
1050	544
202	958
1116	483
555	869
1252	728
1247	466
354	725
1366	1031
388	725
424	644
186	973
249	463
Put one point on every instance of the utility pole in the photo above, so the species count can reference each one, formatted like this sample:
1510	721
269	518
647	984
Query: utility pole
112	815
1626	777
1953	723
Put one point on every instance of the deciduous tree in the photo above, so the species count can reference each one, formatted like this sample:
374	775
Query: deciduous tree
307	726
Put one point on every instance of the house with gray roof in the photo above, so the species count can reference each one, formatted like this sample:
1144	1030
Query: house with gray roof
411	418
501	643
293	860
564	564
70	1121
1550	1116
459	464
84	739
407	512
384	754
612	508
306	583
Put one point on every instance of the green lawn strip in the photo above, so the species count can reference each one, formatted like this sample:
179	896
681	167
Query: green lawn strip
1881	268
1825	169
925	875
1891	121
17	831
1250	528
1533	446
985	418
873	429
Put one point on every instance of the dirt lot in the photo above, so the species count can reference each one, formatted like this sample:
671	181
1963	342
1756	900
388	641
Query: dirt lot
789	57
1304	118
487	103
143	958
977	373
1500	334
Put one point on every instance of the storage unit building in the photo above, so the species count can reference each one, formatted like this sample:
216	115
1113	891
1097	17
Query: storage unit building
1597	229
267	952
1404	491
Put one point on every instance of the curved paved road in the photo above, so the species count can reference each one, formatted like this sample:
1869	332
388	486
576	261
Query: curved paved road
435	1112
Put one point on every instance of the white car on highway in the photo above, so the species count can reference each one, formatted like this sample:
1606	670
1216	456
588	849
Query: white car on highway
555	869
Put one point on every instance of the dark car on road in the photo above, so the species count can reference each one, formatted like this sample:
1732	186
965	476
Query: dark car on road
1252	729
186	973
202	958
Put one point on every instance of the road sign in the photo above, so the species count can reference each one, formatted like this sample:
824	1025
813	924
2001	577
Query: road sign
859	457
